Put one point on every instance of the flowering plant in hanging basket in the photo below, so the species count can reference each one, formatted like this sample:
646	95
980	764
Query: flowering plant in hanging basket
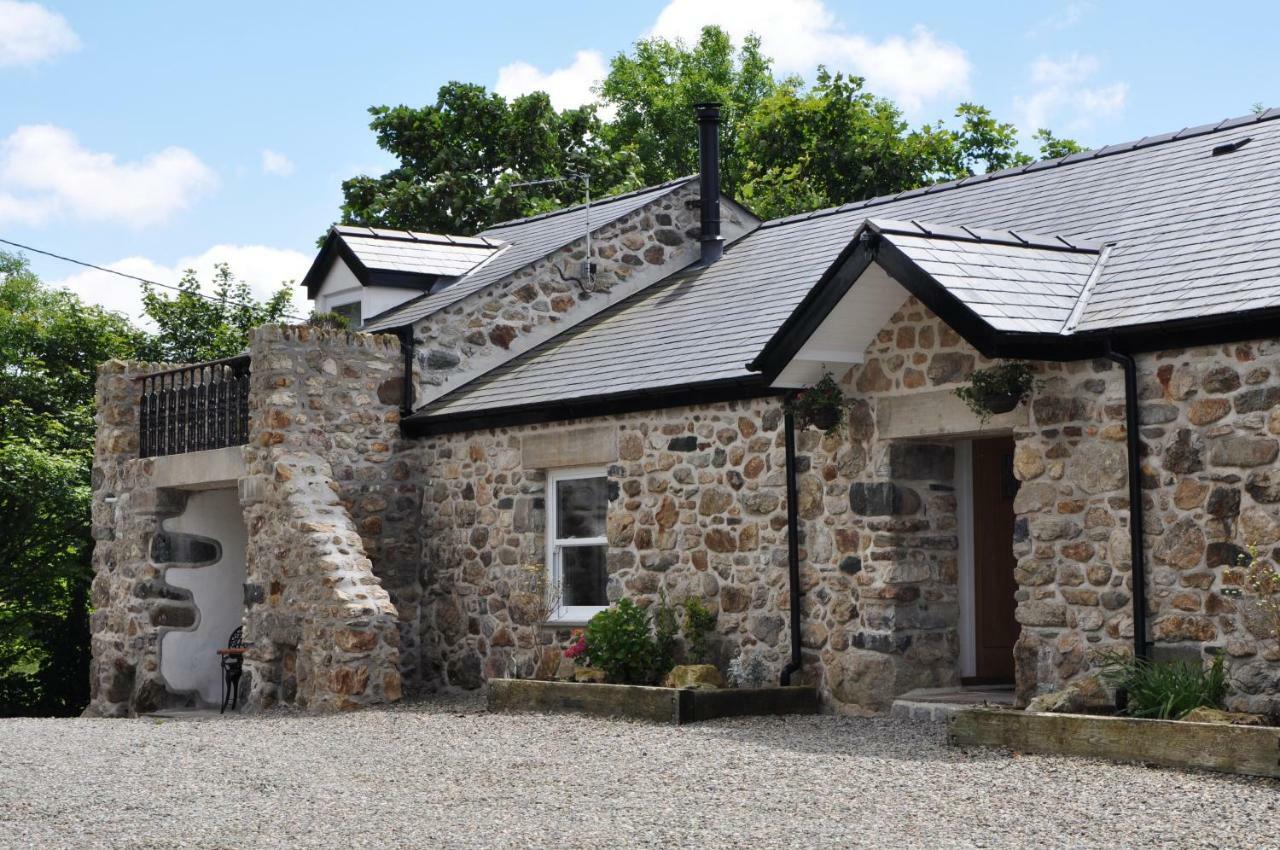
998	389
822	405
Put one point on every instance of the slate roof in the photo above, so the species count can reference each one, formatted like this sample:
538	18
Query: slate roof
1018	282
524	241
420	253
1191	234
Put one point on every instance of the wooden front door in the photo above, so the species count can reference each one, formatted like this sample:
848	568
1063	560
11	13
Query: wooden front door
996	630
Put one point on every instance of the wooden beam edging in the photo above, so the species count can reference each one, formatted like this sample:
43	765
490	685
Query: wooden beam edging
640	702
1246	750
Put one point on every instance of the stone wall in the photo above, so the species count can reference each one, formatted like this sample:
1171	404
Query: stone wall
332	502
541	299
332	495
1211	418
131	600
322	631
699	508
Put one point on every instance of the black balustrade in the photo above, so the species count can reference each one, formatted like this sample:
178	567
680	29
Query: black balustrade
198	407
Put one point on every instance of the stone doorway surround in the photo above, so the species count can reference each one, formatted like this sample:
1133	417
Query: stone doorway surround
939	418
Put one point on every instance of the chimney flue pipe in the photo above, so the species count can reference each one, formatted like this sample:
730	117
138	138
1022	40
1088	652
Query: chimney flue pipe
709	179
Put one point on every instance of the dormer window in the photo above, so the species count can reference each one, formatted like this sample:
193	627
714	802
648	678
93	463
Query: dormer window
349	311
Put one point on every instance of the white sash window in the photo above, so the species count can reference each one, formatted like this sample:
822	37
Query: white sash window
577	548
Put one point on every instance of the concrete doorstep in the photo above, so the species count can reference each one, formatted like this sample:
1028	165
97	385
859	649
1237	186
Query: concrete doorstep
938	705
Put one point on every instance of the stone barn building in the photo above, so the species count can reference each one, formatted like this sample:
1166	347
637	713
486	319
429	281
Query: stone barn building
595	395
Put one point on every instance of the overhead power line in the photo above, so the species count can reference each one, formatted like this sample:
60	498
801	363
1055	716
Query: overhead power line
134	277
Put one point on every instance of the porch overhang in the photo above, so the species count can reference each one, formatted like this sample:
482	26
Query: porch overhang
1006	293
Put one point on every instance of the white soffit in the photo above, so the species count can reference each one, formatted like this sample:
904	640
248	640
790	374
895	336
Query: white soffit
848	330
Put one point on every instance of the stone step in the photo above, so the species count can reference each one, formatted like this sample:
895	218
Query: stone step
937	705
927	712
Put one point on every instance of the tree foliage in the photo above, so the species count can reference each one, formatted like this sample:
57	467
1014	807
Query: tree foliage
789	146
463	158
50	346
191	328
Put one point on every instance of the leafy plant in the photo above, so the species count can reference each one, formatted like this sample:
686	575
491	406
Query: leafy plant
998	389
337	321
699	625
1262	580
665	629
50	346
191	328
822	405
1165	690
619	643
747	670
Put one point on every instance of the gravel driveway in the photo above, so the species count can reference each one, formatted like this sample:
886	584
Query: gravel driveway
445	774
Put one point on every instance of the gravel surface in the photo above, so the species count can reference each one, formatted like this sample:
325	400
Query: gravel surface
444	774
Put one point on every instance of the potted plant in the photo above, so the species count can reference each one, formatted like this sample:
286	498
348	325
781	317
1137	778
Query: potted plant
998	389
822	405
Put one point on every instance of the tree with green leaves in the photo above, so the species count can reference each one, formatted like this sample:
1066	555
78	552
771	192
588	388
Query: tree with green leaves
789	146
466	161
50	346
652	91
192	327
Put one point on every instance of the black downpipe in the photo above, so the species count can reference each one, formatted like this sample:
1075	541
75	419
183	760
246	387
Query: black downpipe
1138	570
407	349
793	548
709	180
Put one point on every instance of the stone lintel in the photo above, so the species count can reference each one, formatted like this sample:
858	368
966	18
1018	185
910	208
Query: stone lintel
199	470
939	413
573	447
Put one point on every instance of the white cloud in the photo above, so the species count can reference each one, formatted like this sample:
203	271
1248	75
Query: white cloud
1062	92
276	163
263	268
568	87
45	171
801	34
798	34
30	34
1065	18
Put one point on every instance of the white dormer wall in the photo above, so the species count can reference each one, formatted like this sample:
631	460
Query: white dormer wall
852	325
342	287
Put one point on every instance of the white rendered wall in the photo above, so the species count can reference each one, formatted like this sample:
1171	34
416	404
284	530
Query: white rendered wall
188	657
340	286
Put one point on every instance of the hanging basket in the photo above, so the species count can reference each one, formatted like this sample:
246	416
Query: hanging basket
998	403
824	418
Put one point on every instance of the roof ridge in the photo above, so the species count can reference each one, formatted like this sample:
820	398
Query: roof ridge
607	199
397	234
1086	291
1039	165
982	235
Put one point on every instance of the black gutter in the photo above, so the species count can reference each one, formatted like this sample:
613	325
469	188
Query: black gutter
1138	570
793	548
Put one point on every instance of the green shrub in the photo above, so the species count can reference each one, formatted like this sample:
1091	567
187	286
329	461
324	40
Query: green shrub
1166	690
619	643
699	625
328	320
665	629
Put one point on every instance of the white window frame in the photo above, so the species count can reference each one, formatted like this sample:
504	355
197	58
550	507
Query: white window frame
561	613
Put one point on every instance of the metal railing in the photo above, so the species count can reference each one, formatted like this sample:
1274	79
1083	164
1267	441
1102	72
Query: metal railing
194	408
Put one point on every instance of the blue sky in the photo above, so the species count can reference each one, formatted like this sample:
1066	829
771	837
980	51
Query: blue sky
150	136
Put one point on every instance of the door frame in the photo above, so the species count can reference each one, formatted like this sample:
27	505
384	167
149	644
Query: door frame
967	626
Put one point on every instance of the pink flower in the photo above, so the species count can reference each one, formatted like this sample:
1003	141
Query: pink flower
577	648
